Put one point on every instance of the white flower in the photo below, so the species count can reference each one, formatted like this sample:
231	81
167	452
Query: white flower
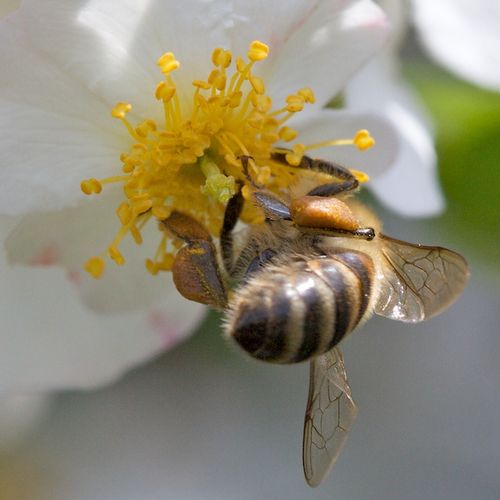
64	67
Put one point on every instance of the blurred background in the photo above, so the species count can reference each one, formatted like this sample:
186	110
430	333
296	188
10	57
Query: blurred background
204	422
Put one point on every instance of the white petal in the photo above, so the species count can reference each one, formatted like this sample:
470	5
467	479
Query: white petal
69	237
463	35
410	186
64	65
326	49
397	15
113	48
331	124
20	414
62	344
53	131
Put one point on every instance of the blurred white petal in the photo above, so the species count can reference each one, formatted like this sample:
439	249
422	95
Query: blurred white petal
410	186
68	237
50	340
462	35
327	48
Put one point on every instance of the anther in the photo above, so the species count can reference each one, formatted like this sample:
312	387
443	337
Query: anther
235	99
120	110
257	51
287	134
168	63
124	213
295	156
221	57
91	186
200	84
95	266
361	177
295	103
164	91
363	140
307	94
151	267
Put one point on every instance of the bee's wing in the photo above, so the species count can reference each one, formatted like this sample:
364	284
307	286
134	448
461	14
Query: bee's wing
330	413
420	281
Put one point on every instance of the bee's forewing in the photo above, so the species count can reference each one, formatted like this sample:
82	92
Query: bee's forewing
419	281
330	413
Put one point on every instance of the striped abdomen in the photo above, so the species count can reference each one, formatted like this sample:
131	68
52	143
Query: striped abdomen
293	312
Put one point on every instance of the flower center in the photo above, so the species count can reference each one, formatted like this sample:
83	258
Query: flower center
190	162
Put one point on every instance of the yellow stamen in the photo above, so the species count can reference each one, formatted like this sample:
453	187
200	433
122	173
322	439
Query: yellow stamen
363	140
188	159
91	186
115	254
360	176
295	103
287	134
165	92
307	94
95	266
258	51
168	63
120	110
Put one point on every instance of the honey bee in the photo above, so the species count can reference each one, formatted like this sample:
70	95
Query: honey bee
315	271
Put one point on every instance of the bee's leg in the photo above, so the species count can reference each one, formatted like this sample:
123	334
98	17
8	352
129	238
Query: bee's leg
231	216
195	270
334	188
347	181
324	166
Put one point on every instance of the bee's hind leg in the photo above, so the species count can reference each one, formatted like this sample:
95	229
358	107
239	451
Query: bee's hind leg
195	270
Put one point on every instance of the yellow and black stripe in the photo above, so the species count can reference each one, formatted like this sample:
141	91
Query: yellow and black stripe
292	312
